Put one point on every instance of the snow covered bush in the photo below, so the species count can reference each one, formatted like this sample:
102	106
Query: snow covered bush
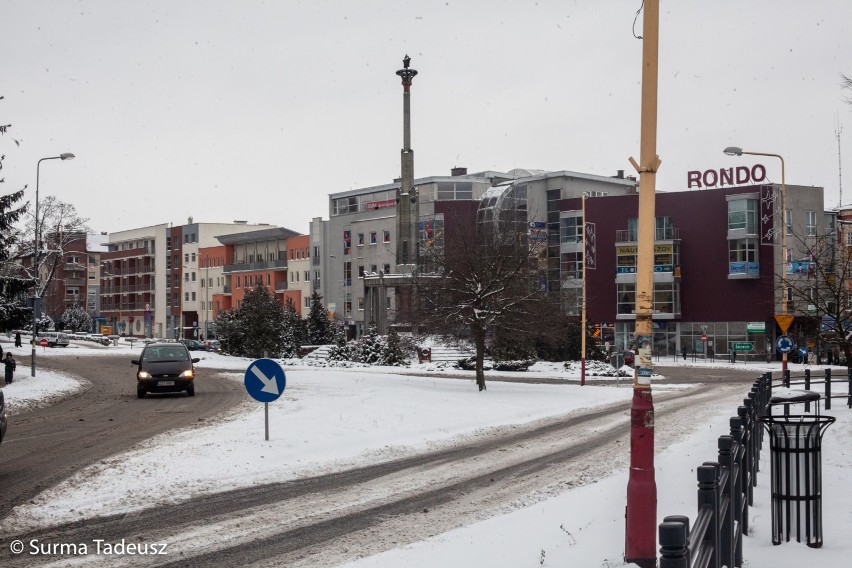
394	355
371	348
519	365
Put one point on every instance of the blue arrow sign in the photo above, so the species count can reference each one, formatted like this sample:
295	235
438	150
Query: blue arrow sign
265	380
785	344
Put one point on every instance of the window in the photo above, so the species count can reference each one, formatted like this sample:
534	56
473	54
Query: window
360	239
186	296
360	272
186	258
202	283
269	280
361	304
193	276
742	258
788	221
664	228
186	276
810	223
626	298
193	257
386	236
387	269
193	296
374	269
373	238
238	282
572	265
571	230
742	215
347	275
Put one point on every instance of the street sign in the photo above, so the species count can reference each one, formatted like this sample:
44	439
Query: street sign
756	327
785	344
784	321
44	342
265	380
742	346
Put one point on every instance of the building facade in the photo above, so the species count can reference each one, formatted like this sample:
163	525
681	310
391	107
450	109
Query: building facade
717	264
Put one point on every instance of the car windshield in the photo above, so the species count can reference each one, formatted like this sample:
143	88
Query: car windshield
169	353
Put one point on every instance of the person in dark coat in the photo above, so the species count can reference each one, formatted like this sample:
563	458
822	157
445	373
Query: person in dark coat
683	350
17	339
9	363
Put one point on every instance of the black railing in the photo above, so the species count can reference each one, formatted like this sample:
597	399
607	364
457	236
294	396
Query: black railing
725	492
806	381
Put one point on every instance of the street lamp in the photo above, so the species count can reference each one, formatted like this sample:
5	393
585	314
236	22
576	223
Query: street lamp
36	295
736	151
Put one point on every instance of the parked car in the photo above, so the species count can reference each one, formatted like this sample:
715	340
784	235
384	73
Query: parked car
214	345
194	345
56	338
2	417
165	367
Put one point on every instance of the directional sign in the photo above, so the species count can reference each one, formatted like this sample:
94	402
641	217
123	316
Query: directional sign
742	346
265	380
785	344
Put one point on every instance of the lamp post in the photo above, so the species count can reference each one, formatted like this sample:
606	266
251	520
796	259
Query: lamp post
207	296
37	294
736	151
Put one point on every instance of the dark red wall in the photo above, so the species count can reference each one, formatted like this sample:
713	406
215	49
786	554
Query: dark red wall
702	219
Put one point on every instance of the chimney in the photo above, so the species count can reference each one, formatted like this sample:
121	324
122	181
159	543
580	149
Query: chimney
620	174
457	171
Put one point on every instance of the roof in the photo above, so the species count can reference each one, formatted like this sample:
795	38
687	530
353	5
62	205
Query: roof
260	235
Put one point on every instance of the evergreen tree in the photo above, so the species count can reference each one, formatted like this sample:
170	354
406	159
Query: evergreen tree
341	350
292	331
256	328
75	319
372	349
13	284
261	319
393	355
229	332
319	325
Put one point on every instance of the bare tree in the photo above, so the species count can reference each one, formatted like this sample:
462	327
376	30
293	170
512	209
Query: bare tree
846	84
485	276
820	286
59	227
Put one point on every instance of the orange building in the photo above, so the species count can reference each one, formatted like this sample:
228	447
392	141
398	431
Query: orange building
254	257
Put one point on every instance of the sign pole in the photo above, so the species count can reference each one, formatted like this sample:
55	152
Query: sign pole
266	418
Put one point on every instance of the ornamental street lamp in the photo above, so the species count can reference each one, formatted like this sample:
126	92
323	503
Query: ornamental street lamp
736	151
37	294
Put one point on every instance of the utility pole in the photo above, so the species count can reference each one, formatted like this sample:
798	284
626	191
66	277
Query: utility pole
641	512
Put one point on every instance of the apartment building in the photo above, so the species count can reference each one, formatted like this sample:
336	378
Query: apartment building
151	277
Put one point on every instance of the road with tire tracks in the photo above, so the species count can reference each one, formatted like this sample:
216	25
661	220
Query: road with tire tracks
318	521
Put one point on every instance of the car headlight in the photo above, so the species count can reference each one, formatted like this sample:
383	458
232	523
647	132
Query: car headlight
187	374
143	375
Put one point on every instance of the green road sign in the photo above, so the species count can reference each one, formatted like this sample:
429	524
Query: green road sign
742	346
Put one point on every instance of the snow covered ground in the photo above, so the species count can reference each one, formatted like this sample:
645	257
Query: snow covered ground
333	417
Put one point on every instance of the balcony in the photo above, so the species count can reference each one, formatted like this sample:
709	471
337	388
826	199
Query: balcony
281	287
256	266
743	270
664	234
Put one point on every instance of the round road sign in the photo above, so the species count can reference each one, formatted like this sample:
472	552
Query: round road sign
785	344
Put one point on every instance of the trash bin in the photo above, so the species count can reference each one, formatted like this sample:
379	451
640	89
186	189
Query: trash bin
795	444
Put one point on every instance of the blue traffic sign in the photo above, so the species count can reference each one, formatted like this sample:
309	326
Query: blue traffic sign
265	380
785	344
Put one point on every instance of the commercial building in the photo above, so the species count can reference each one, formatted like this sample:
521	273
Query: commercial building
717	264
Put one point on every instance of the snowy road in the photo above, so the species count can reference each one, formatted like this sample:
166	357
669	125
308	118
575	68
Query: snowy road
330	519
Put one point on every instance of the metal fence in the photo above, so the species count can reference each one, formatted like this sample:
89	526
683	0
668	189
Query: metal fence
725	492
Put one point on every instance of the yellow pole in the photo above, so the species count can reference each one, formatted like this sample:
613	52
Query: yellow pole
641	514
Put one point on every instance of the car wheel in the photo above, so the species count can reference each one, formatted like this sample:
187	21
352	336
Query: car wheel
140	393
190	390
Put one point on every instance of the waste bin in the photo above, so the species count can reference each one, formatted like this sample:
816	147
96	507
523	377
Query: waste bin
795	444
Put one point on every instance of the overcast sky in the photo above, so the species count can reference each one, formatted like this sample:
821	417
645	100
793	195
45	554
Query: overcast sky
251	110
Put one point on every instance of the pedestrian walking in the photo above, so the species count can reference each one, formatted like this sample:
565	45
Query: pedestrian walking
683	350
17	339
9	364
